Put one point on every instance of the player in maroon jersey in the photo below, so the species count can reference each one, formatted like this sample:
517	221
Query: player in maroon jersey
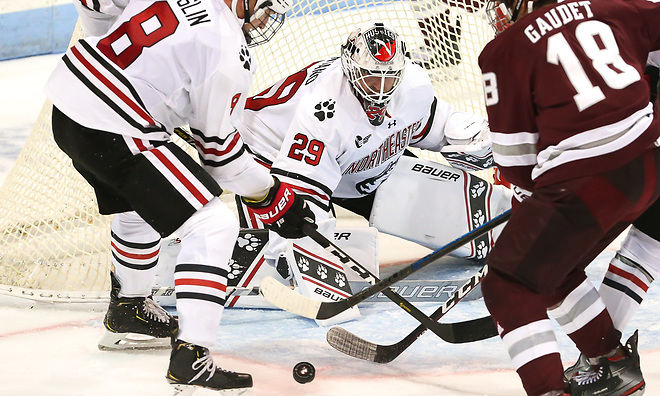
571	121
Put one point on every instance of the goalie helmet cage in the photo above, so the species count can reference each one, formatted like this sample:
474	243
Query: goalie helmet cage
54	246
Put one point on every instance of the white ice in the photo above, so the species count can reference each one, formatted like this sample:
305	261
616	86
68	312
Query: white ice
51	350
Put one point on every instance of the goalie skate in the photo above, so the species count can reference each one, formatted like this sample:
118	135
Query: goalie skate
192	367
135	323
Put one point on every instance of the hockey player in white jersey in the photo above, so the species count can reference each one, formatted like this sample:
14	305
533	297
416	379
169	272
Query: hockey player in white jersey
336	129
117	98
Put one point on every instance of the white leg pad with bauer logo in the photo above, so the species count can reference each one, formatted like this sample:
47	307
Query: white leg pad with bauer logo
321	276
433	204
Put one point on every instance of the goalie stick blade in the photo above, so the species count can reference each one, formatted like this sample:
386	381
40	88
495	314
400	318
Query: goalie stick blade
283	297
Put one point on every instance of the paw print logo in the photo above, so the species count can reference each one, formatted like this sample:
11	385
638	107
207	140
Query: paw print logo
478	218
325	110
482	250
322	271
235	270
248	242
478	189
489	162
244	56
303	264
340	279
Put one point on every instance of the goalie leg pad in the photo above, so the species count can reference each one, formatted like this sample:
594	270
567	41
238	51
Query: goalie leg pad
319	275
433	204
248	266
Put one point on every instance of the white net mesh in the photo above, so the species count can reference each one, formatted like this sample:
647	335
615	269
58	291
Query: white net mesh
54	245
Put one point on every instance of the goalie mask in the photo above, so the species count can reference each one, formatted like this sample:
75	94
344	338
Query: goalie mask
261	23
373	60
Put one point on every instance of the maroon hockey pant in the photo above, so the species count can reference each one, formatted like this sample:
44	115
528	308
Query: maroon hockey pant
551	237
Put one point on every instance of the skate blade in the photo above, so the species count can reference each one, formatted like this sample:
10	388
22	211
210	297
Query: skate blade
187	390
126	341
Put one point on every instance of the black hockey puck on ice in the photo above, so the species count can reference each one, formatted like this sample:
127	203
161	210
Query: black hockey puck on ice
303	372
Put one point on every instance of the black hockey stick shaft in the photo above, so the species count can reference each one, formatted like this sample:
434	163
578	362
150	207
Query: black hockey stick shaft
443	330
468	331
329	309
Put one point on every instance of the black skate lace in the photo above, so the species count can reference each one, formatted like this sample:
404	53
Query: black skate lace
206	363
588	377
155	311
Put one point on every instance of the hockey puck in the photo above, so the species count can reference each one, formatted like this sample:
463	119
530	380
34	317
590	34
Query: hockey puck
303	372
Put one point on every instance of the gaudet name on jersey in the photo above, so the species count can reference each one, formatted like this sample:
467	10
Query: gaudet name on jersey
556	17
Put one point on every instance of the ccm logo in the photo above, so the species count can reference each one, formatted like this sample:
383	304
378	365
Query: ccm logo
441	173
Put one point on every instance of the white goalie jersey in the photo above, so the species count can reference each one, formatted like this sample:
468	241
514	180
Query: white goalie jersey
313	132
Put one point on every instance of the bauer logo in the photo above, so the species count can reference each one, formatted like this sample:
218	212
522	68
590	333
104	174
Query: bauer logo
436	172
327	294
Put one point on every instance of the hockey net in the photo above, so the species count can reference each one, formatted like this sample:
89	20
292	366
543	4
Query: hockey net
54	246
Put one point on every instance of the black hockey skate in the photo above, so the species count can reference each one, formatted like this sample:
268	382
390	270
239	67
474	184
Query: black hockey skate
611	376
582	364
136	323
191	367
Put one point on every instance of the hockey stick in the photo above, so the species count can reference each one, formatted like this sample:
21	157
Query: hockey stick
420	290
442	330
285	298
350	344
231	291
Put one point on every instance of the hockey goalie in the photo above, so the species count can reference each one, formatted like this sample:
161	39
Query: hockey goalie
337	132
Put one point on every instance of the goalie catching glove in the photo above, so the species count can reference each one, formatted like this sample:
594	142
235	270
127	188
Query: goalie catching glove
282	211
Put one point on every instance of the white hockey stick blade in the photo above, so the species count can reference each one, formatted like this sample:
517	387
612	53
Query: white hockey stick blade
283	297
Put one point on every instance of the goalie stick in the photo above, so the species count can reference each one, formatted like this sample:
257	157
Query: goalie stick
446	331
285	298
472	330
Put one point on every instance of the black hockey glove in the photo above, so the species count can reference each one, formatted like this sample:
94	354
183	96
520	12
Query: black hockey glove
282	211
